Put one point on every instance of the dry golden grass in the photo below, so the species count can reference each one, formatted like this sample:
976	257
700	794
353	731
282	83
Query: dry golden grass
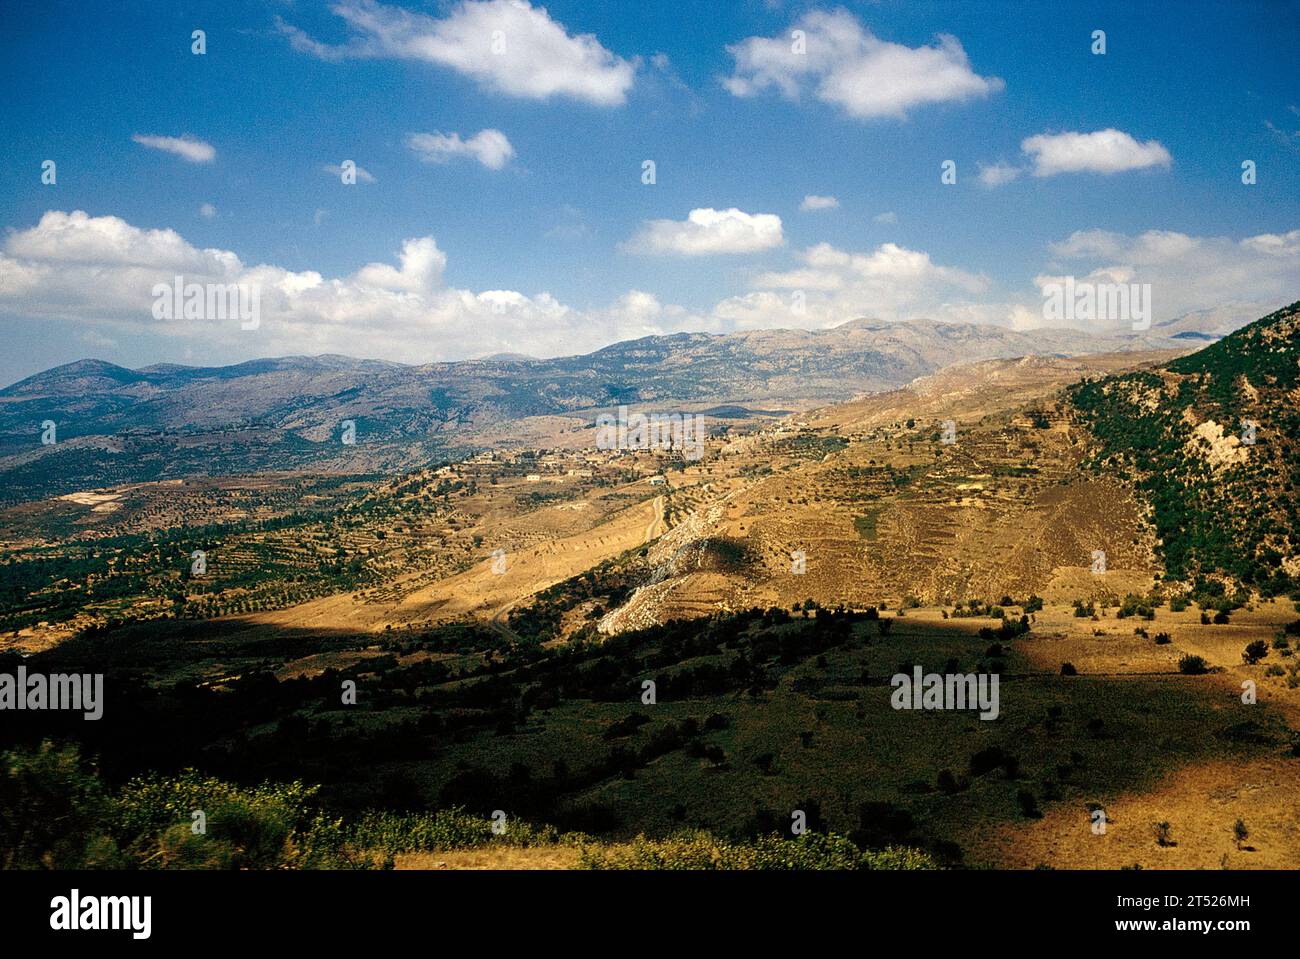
1200	803
479	591
493	857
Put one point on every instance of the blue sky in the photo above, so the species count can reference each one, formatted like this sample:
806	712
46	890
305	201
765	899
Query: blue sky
581	251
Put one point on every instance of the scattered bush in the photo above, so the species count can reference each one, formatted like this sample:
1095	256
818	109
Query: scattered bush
1254	652
1239	832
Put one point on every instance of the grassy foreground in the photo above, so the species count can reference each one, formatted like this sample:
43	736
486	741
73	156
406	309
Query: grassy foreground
56	813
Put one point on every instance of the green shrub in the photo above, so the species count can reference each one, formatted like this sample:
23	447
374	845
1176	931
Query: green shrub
452	828
271	826
52	811
1254	652
701	850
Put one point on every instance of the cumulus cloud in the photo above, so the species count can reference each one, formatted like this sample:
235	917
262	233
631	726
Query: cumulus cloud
489	147
841	62
78	239
95	276
706	232
207	211
813	203
420	269
1105	151
889	216
506	46
832	285
186	147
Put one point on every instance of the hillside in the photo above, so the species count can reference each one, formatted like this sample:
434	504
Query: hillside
1210	440
521	688
880	506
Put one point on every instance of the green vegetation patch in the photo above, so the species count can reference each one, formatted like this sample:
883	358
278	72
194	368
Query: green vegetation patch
1231	511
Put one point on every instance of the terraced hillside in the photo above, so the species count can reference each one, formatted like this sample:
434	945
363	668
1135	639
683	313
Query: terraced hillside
865	503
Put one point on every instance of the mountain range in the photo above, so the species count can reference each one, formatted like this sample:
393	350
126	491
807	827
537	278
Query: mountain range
116	425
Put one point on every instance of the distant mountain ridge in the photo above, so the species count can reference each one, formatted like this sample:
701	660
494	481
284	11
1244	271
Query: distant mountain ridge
119	425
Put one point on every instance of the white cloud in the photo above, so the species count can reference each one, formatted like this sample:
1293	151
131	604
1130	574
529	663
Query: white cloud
78	239
95	276
997	174
207	211
846	65
421	269
186	147
1105	151
336	170
507	46
812	203
18	279
889	216
489	147
1187	274
890	282
706	232
1274	244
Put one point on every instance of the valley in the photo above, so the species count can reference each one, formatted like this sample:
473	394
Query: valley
499	617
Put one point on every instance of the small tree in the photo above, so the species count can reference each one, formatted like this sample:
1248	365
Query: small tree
1240	832
1254	652
1164	834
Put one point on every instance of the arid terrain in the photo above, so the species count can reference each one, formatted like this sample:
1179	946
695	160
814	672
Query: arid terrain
500	617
